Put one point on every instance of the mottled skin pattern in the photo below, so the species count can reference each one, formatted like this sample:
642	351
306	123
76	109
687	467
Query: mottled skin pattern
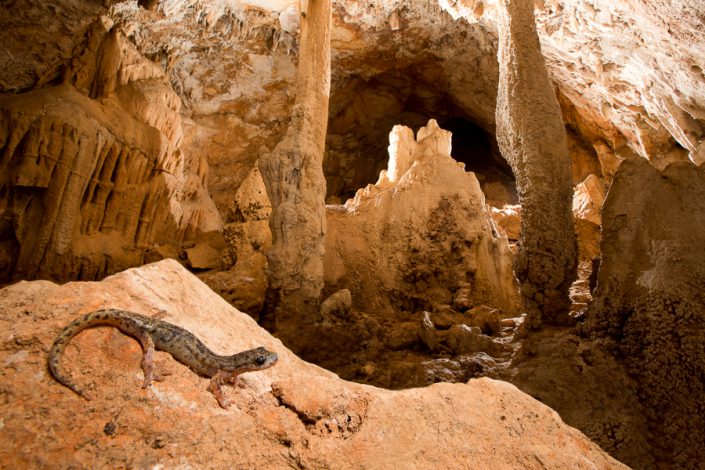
156	334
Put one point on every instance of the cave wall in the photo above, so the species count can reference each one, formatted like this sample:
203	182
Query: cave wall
95	180
233	69
109	142
632	70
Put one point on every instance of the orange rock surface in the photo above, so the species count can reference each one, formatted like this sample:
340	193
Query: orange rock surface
293	415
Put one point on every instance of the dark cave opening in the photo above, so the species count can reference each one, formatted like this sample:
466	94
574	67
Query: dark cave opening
478	150
363	112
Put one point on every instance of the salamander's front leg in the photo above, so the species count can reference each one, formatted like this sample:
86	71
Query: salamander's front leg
233	378
148	360
215	388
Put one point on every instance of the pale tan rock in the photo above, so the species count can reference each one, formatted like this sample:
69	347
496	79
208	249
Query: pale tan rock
583	156
203	256
508	218
464	339
244	286
458	338
293	175
101	155
293	412
424	235
630	70
588	234
609	160
428	334
462	300
401	148
588	197
247	237
457	369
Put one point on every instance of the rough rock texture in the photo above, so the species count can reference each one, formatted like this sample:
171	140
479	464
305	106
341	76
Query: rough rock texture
294	414
242	275
421	236
338	304
93	177
649	298
420	239
508	220
590	388
629	72
293	175
221	74
588	198
531	136
233	66
39	37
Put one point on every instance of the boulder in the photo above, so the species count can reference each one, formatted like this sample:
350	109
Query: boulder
294	414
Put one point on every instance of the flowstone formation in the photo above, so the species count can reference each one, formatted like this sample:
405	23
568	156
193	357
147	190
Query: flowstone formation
93	177
421	237
421	282
293	174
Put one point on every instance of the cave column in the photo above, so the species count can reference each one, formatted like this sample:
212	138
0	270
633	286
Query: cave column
531	136
293	175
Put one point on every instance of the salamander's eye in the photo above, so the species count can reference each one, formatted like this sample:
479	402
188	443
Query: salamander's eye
260	360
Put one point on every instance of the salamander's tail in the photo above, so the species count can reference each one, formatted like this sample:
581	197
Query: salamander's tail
53	362
57	349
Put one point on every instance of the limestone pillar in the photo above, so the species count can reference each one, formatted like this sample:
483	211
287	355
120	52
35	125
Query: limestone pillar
531	137
293	175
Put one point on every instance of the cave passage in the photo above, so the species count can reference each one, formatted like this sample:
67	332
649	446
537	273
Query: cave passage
363	112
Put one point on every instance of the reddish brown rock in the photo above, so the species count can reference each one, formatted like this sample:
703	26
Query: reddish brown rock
294	414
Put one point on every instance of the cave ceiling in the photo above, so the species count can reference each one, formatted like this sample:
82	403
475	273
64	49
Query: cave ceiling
633	70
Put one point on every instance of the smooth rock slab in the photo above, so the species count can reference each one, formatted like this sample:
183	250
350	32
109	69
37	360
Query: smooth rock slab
292	415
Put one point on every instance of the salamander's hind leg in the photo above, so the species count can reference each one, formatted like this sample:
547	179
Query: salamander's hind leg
148	360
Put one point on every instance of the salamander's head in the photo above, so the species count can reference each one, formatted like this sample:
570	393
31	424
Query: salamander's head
256	359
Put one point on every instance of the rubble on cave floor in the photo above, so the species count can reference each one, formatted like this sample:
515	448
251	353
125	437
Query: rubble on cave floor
416	349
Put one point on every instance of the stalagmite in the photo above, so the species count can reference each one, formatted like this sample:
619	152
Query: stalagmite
531	137
293	174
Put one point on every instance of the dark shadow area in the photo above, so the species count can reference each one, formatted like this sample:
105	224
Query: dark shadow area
364	110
